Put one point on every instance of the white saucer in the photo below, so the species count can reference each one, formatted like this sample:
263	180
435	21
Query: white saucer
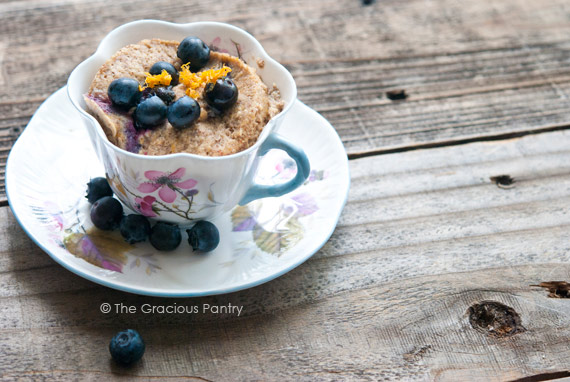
52	161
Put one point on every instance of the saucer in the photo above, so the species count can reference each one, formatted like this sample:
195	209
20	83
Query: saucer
52	161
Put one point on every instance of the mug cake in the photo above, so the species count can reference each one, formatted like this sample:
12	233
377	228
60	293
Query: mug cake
158	97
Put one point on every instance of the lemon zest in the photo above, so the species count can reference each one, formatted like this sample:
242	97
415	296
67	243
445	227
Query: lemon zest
193	81
151	81
192	93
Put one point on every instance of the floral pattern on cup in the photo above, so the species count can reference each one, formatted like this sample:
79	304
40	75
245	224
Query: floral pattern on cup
167	184
165	192
145	206
218	46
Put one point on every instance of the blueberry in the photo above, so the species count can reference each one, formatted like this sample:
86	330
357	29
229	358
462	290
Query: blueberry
124	93
195	51
221	95
149	113
203	237
106	213
166	94
165	236
158	67
146	93
134	228
183	113
98	188
127	347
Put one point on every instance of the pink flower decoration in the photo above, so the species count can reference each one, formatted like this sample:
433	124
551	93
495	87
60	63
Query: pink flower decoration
166	183
215	46
144	205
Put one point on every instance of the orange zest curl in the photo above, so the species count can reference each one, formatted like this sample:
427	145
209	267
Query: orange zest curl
151	81
193	81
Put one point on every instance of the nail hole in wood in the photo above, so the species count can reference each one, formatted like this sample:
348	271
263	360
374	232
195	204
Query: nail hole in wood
503	181
397	94
556	289
495	319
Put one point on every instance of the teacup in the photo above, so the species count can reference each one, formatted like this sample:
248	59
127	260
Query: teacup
183	187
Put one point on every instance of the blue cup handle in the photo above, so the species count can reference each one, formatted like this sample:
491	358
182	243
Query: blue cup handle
275	141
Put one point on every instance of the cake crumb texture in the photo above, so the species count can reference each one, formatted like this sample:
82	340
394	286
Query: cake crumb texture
212	134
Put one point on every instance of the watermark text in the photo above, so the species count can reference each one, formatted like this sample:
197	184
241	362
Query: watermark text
173	308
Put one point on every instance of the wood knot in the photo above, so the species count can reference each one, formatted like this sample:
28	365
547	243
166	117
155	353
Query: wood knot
503	181
397	94
556	289
495	319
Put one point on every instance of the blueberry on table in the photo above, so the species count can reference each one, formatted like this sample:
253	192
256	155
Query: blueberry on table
98	188
194	51
183	113
124	93
158	67
149	113
165	236
134	228
127	347
222	94
166	94
106	213
203	237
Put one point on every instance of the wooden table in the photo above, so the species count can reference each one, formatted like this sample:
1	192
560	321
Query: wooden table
431	273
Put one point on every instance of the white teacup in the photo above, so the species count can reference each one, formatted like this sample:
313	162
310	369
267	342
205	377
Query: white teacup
183	187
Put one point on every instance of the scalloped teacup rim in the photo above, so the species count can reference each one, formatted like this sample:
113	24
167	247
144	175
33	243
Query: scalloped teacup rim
103	53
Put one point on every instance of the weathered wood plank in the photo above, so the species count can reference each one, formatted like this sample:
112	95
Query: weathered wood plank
398	331
426	234
471	69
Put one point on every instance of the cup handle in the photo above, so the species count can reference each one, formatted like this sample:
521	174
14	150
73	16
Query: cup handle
275	141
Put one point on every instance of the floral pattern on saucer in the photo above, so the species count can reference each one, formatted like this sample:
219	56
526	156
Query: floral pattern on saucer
107	250
273	229
53	160
276	223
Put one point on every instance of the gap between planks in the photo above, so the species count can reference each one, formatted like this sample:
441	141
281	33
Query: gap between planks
424	146
462	141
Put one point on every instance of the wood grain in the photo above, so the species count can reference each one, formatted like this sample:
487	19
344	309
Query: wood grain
471	69
425	235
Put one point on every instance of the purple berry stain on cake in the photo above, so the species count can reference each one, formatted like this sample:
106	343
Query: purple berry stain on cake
132	136
103	103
